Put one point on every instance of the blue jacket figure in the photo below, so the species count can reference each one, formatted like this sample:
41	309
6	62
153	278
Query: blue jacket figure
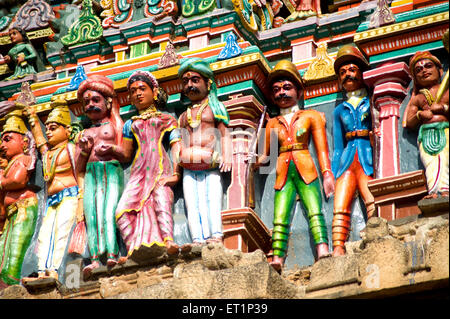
352	163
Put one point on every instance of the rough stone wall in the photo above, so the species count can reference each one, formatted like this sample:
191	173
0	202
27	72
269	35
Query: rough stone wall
396	258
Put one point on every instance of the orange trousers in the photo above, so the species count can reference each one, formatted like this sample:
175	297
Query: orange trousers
346	185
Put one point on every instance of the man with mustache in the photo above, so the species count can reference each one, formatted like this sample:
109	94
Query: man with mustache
296	172
203	125
100	172
430	115
352	156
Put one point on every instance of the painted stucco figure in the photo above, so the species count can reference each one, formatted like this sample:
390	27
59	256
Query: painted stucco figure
144	213
428	113
296	172
100	173
352	162
22	57
204	129
18	199
58	163
302	9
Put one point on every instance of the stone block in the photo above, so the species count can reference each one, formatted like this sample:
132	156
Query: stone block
332	272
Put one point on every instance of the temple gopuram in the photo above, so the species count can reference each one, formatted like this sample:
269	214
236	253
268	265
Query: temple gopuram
350	201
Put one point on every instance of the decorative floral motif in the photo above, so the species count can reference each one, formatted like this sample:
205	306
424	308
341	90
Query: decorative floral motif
34	14
231	49
87	28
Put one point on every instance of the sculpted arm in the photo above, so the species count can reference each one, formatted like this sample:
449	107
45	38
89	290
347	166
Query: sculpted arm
266	150
320	141
227	149
35	127
16	178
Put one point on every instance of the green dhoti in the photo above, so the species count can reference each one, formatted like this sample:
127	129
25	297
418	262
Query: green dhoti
17	232
103	186
284	201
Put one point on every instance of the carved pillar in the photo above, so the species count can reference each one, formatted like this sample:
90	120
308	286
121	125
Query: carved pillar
242	227
389	83
395	194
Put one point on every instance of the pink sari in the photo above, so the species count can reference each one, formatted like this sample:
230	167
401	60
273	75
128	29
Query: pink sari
144	212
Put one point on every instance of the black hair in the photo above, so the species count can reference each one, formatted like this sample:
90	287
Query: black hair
22	32
140	77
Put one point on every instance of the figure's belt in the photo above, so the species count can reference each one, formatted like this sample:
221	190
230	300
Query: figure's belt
357	133
293	147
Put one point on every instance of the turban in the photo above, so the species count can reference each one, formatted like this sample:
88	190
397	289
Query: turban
420	56
202	67
98	83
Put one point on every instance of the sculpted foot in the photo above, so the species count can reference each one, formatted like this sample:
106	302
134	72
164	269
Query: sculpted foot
111	262
172	248
88	269
277	263
122	260
322	251
186	248
338	251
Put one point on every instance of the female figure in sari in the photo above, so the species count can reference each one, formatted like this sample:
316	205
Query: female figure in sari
144	212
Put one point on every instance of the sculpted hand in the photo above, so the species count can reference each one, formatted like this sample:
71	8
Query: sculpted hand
170	181
86	143
438	108
104	149
225	166
328	184
426	115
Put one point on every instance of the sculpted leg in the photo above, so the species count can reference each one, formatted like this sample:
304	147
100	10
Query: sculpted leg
345	189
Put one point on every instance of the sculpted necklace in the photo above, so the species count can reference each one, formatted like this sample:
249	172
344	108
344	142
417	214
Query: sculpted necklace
49	172
147	113
198	117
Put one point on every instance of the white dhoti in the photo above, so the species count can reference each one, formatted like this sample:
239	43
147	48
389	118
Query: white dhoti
436	167
60	216
203	199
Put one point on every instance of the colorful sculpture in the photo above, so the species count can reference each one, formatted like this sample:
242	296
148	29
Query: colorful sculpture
18	200
133	11
100	173
296	172
144	212
58	165
352	162
428	112
204	118
302	9
22	56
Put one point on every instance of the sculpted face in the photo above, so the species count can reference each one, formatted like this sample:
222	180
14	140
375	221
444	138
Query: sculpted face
195	86
95	105
56	133
350	77
15	36
141	95
12	144
426	73
285	94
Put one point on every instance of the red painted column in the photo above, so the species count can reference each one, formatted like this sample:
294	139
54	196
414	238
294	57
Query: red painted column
242	227
389	83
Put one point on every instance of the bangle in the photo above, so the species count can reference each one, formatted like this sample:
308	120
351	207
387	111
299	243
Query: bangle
326	170
417	115
176	174
80	196
84	153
